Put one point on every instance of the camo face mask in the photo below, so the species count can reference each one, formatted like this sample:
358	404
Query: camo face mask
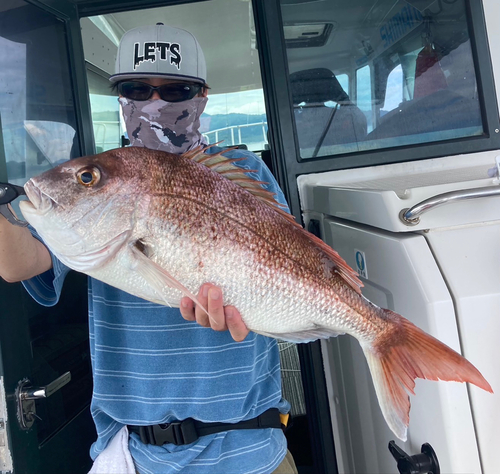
167	126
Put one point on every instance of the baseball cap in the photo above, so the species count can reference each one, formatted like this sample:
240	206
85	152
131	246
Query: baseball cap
160	50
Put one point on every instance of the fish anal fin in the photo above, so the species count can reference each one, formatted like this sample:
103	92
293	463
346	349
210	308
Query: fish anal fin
307	335
400	356
157	277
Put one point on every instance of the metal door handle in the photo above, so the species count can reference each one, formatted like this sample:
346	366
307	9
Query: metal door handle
26	396
412	216
48	390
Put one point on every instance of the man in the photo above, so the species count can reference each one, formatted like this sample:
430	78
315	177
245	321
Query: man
156	369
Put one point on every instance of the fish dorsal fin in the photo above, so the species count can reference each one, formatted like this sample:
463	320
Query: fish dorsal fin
225	166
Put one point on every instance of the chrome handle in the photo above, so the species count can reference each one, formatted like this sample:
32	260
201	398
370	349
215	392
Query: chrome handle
26	396
412	216
47	391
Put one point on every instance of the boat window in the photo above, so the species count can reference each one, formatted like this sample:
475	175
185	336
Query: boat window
364	94
413	67
106	119
236	118
37	113
394	89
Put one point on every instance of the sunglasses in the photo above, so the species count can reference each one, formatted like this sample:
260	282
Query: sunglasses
180	92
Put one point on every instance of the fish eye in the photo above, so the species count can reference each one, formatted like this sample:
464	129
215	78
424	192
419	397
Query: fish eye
88	176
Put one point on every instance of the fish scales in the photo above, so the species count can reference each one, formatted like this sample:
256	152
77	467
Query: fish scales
277	248
159	226
221	251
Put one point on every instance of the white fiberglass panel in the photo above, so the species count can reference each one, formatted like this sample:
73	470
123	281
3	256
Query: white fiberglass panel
403	276
469	258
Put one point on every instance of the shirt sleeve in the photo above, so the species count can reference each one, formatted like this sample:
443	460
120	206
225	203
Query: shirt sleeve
46	288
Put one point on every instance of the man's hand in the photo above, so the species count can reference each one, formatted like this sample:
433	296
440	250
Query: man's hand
224	317
21	255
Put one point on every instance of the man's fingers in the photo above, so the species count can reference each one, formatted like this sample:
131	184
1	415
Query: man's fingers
221	318
216	309
187	309
235	324
200	314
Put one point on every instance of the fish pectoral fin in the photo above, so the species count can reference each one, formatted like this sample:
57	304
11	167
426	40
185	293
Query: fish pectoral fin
158	278
96	258
308	335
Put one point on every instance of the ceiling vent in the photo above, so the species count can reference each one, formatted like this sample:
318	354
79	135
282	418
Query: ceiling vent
307	35
298	2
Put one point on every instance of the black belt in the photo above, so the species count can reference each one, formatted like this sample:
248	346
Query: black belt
189	430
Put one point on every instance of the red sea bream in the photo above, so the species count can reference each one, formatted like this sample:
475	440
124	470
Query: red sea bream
159	225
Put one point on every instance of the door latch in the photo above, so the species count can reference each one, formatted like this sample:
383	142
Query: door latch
424	463
26	396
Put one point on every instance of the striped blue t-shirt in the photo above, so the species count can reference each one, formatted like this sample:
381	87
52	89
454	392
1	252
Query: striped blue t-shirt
151	366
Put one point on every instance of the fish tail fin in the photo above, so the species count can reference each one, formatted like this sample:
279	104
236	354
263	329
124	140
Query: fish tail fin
407	353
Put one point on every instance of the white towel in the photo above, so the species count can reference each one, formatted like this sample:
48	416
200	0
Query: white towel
116	458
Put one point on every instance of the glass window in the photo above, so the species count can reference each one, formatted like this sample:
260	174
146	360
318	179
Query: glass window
106	118
344	82
414	70
393	91
364	94
37	113
236	118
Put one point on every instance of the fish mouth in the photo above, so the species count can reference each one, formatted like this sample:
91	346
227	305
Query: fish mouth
40	201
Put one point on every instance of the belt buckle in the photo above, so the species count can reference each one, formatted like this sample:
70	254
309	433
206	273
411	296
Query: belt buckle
177	432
